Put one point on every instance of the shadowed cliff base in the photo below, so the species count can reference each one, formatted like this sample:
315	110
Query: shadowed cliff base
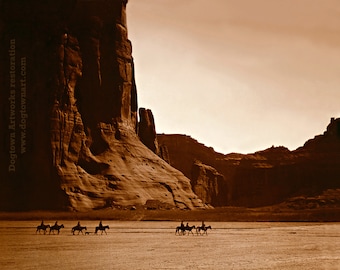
222	214
309	209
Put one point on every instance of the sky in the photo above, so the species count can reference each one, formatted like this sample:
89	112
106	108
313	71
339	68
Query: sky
238	75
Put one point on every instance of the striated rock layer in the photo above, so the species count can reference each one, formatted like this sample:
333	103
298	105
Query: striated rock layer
69	112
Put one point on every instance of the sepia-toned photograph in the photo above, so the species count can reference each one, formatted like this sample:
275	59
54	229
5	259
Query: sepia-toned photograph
168	134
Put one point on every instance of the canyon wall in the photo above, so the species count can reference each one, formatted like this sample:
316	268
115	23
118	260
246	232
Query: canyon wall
70	136
265	177
69	129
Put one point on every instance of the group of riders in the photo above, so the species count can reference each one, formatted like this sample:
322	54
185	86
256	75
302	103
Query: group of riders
78	227
181	230
55	227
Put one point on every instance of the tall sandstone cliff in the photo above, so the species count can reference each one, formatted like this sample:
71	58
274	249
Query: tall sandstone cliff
262	178
69	130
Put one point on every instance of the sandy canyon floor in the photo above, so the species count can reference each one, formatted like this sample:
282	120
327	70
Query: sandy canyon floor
154	245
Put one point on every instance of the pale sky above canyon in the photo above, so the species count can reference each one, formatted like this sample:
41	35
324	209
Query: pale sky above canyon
238	75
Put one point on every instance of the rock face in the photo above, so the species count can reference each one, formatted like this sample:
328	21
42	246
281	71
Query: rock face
210	174
147	130
208	183
265	177
69	112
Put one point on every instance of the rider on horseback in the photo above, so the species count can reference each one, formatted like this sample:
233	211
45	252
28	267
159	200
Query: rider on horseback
100	224
182	225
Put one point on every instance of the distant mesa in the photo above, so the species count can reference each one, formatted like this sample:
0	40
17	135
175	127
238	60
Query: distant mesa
262	178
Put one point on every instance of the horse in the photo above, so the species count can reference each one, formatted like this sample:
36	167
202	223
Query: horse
102	228
56	227
204	229
180	230
189	229
79	229
42	227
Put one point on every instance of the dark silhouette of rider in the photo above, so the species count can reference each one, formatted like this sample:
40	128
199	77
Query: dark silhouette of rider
42	223
100	224
203	225
182	224
56	223
187	226
78	225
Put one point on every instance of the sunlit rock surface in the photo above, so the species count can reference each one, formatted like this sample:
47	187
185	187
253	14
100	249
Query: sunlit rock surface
69	112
